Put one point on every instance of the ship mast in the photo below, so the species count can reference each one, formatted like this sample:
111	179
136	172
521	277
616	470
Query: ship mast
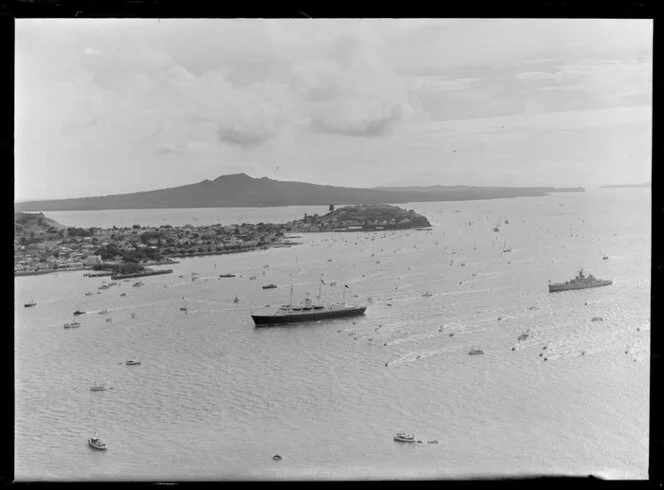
290	303
320	287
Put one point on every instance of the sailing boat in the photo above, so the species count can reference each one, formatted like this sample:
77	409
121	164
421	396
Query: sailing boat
30	303
184	307
497	227
506	248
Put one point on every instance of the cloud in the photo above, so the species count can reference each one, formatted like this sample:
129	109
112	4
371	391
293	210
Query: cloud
535	75
349	89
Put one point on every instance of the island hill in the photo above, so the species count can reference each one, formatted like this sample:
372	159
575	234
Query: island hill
366	217
42	245
241	190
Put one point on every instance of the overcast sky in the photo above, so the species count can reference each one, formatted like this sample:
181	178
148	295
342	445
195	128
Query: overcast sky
113	106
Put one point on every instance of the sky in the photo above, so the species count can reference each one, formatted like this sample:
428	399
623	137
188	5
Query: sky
108	106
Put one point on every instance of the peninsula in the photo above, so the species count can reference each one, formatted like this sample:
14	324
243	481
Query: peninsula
241	190
366	217
625	186
42	245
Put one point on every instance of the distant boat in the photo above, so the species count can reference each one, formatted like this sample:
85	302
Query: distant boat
99	387
581	281
252	278
89	293
475	351
138	284
183	308
427	294
103	312
96	442
236	300
79	312
30	303
269	286
123	294
606	257
226	275
72	325
132	363
403	437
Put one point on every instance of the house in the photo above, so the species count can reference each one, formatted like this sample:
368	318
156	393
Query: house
92	260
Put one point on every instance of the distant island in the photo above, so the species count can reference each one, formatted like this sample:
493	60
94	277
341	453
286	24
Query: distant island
42	245
241	190
625	186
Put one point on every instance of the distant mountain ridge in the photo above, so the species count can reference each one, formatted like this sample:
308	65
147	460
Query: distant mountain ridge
622	186
241	190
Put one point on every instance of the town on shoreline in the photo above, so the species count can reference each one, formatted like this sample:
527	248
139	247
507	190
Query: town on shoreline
41	245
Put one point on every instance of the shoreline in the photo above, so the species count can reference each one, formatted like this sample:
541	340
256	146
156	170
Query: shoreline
167	262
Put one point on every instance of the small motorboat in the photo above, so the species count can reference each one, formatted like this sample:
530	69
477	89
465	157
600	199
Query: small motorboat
236	300
138	284
252	278
132	363
226	275
89	293
606	257
475	351
103	312
123	294
269	286
427	294
95	442
403	437
276	457
99	387
79	312
30	303
72	325
183	308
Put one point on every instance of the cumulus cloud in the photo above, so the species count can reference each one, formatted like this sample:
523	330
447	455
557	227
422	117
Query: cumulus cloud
350	90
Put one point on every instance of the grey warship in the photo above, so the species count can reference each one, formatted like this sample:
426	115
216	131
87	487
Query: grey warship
581	281
308	312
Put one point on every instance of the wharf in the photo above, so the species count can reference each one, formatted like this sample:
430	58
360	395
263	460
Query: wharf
141	274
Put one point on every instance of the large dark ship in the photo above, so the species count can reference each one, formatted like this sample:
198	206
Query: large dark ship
581	281
307	312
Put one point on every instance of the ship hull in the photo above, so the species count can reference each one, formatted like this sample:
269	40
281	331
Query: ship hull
555	288
267	320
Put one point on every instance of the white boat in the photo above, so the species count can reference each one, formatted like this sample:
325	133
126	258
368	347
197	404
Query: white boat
72	325
96	443
404	437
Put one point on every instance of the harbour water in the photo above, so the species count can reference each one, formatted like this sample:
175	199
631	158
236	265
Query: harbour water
216	398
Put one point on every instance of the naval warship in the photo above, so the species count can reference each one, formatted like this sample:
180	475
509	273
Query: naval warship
581	281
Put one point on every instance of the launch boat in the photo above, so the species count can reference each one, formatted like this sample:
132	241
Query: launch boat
581	281
308	312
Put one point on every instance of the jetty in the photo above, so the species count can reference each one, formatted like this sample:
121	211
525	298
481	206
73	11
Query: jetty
141	274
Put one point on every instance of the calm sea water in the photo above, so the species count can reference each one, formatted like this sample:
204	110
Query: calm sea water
216	398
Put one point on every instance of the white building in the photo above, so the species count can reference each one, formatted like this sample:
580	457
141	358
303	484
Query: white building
92	260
